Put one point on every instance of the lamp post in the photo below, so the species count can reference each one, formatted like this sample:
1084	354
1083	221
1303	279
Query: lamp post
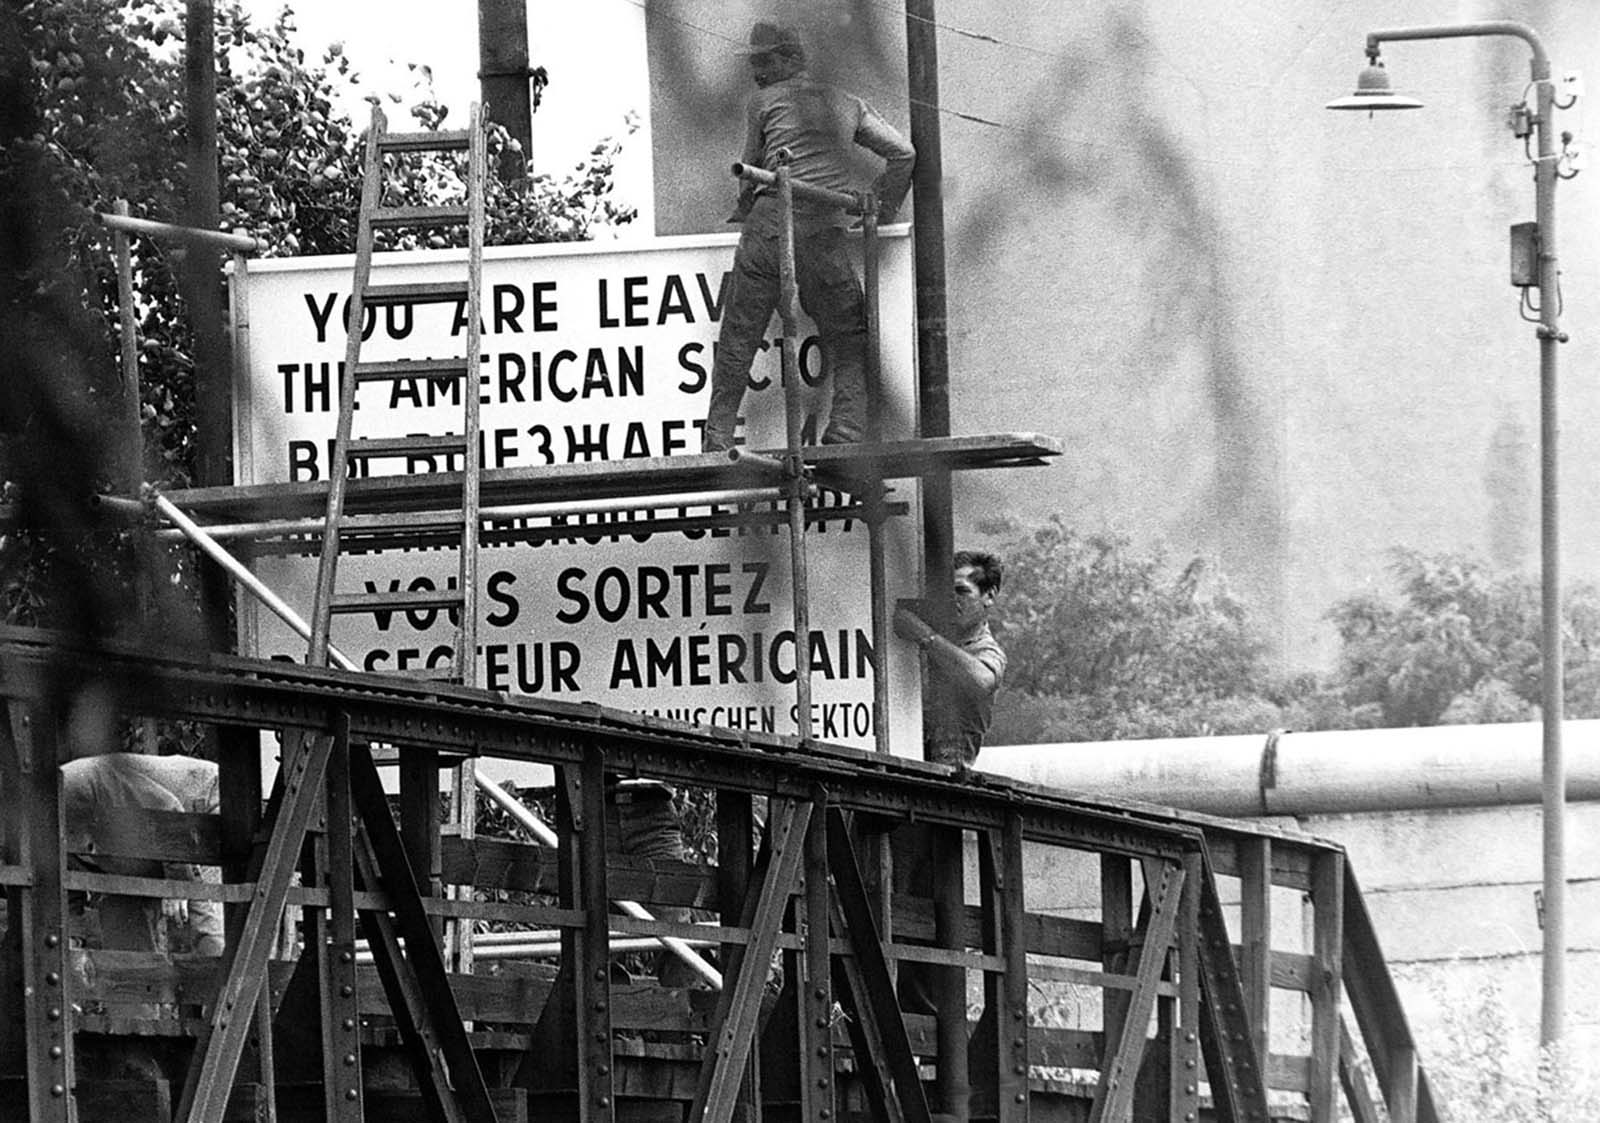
1373	93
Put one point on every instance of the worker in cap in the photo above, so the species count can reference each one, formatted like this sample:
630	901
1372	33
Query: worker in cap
819	125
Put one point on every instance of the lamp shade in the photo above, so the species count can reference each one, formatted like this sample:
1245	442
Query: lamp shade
1373	92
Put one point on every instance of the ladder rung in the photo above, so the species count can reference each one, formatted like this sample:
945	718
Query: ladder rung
399	599
457	140
410	368
427	292
390	218
374	447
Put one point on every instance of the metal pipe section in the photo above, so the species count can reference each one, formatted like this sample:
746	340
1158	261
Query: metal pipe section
275	527
801	188
192	235
1326	773
877	564
794	471
213	550
757	461
543	834
1541	60
485	948
131	436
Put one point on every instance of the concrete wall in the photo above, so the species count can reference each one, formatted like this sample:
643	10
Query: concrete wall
1266	332
1451	894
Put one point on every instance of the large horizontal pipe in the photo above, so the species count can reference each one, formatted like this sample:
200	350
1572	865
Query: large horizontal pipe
1313	773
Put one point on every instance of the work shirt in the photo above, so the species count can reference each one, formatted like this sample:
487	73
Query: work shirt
954	724
95	790
819	125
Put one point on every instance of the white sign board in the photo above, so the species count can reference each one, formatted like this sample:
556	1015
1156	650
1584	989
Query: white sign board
590	352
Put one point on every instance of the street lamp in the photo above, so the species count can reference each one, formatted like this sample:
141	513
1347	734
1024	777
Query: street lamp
1537	247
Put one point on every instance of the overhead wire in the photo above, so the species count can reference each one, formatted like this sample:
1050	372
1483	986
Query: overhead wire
893	96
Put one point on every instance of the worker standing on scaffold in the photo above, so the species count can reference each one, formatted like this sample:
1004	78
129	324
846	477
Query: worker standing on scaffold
818	124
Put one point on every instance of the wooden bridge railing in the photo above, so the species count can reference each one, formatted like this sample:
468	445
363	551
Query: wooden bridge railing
1154	1003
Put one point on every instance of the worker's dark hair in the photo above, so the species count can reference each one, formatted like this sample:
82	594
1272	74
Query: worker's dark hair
990	571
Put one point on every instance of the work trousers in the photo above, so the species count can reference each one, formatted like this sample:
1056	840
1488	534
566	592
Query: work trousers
831	295
644	824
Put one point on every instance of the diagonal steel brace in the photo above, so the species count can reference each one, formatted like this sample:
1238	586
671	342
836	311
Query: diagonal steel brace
878	1034
739	1005
416	982
244	964
1113	1101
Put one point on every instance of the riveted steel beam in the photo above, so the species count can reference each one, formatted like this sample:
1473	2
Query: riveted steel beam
878	1032
244	964
343	1099
416	981
738	1006
32	780
1237	1075
1113	1102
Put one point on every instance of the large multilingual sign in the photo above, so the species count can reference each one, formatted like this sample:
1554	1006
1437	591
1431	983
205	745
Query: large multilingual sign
589	352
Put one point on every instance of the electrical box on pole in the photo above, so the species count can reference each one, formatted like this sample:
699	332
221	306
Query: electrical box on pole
1525	254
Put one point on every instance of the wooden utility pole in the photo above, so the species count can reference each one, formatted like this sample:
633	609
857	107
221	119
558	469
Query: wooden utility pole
504	76
952	1092
203	295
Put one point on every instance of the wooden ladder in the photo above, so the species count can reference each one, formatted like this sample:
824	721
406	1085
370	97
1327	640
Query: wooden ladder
462	599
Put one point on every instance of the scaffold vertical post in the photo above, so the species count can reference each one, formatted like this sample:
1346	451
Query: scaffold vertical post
131	450
794	479
872	501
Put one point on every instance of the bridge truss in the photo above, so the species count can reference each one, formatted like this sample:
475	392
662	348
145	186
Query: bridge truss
1156	1004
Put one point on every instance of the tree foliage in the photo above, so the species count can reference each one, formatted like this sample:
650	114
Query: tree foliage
1106	642
1460	644
96	113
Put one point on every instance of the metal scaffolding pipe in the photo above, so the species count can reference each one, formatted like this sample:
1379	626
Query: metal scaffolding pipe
513	806
1325	773
240	572
542	833
167	232
273	528
802	190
